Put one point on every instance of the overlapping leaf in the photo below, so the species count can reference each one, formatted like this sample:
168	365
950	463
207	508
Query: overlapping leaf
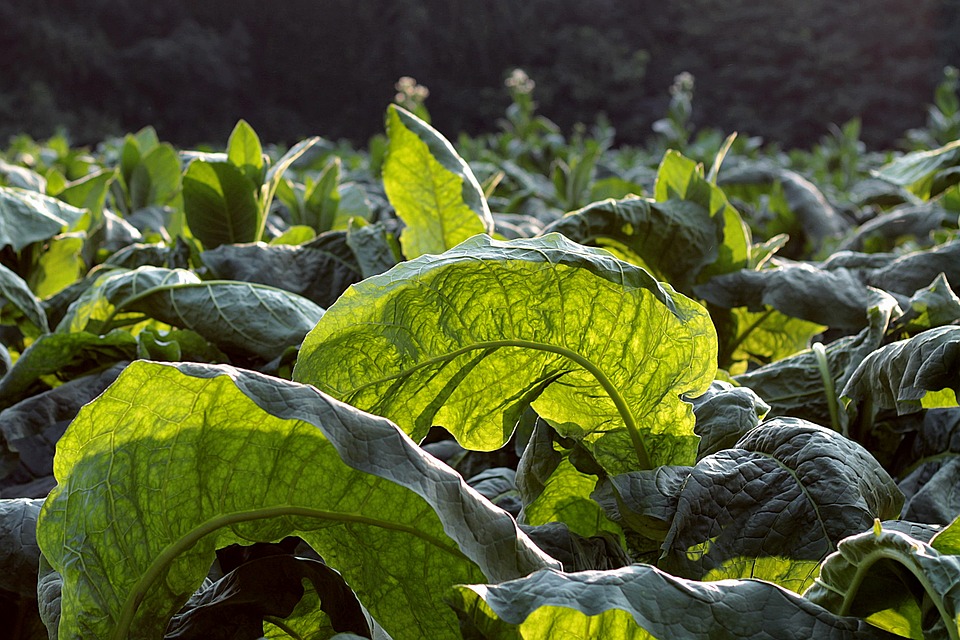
173	462
466	340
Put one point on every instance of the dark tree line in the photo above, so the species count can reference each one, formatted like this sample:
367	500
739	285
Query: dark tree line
781	69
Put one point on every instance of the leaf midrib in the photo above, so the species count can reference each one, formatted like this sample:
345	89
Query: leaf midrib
165	558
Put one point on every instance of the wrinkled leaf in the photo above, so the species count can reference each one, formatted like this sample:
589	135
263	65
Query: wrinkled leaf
895	581
320	270
788	490
173	462
641	602
674	239
903	374
237	316
432	189
468	339
725	413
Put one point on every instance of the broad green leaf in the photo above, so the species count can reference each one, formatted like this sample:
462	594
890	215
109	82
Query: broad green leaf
63	354
674	239
432	189
932	306
319	270
156	180
14	290
640	602
27	217
895	581
90	192
245	152
468	339
173	462
901	375
911	272
375	249
680	178
236	316
220	203
60	265
917	170
789	490
19	554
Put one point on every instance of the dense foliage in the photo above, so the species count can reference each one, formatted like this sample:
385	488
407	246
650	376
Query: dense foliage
524	386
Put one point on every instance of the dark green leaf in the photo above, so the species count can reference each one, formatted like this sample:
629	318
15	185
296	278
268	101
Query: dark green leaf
897	582
236	316
788	492
320	270
27	217
640	602
220	203
725	413
674	239
235	606
903	374
372	247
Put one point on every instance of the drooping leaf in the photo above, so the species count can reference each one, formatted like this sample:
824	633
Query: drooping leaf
19	553
220	204
30	429
788	491
891	228
903	374
236	316
835	299
576	552
933	306
468	339
796	386
894	581
432	189
675	239
909	273
320	270
372	247
640	602
65	354
90	192
724	414
27	217
14	290
173	462
237	604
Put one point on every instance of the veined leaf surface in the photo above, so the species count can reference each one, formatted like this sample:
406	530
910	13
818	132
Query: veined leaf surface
432	189
235	315
173	462
466	340
26	216
640	602
220	203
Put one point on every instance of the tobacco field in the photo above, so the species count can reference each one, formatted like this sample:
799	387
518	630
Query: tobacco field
523	385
